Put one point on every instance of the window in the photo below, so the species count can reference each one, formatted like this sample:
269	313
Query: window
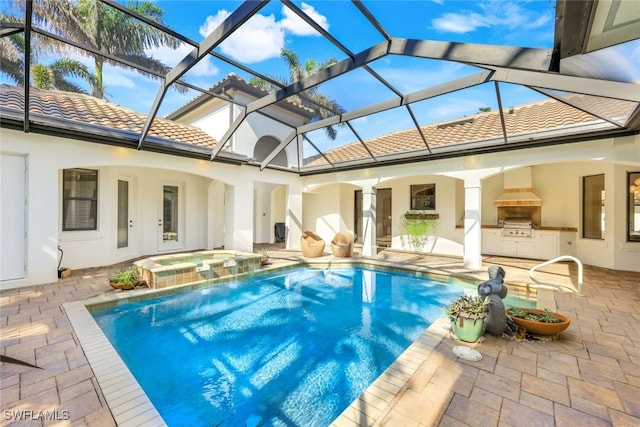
593	207
633	230
79	199
423	197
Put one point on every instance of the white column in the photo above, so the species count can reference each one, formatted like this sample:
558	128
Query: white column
472	223
238	227
293	219
369	247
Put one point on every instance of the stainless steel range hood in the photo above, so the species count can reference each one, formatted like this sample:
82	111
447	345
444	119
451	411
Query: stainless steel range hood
518	190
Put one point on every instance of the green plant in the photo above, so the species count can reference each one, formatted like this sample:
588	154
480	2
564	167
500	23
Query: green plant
545	317
127	276
415	229
470	307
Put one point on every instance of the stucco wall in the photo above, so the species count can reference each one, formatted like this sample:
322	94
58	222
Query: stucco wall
448	239
202	186
557	173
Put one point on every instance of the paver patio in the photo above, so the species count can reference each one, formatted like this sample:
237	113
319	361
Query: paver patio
590	376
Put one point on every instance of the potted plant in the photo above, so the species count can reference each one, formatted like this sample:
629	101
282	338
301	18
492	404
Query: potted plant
467	314
264	256
539	322
127	278
416	227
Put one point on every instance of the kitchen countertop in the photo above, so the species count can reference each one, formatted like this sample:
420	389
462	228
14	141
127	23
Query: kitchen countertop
543	228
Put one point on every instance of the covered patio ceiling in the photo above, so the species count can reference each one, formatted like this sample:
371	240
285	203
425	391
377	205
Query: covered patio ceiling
374	100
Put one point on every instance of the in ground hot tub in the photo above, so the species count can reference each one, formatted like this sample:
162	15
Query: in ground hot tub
165	271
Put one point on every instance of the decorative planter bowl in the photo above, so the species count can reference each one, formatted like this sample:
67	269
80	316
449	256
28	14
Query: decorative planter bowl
540	328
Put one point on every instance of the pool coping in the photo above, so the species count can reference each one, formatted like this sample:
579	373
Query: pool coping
130	405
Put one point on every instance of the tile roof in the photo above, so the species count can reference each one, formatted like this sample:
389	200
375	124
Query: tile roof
87	109
233	81
529	118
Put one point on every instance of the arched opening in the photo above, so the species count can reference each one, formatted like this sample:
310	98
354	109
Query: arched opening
265	146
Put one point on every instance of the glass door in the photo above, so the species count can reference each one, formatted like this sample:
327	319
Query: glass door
383	217
124	219
169	221
125	229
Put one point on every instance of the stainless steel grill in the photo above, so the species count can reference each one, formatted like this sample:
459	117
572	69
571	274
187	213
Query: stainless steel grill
516	227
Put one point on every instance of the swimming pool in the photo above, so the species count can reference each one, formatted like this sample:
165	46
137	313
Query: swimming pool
288	348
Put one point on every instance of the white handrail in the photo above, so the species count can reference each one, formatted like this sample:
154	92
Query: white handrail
551	261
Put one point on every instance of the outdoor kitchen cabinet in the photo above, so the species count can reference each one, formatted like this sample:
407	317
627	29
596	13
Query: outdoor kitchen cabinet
516	247
546	244
543	244
554	243
490	238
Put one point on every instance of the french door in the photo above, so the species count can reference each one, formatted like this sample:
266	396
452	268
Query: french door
126	227
383	216
170	217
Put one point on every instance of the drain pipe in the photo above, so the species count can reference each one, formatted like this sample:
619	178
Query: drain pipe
61	255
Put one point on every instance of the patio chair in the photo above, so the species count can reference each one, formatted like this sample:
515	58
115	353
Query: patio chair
312	245
342	244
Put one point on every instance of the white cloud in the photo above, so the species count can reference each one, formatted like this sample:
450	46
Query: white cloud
263	37
295	25
495	14
459	23
260	38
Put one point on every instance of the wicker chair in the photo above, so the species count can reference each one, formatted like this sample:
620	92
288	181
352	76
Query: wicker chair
342	244
312	245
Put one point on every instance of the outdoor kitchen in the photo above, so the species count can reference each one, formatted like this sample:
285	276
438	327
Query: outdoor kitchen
519	231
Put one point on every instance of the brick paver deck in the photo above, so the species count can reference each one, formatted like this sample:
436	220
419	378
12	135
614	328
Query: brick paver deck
590	376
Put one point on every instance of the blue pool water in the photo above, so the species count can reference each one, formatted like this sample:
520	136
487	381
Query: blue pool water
293	348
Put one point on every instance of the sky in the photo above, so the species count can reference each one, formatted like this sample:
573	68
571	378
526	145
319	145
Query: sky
258	44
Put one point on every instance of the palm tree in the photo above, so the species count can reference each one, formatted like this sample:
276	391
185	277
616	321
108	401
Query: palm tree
311	98
12	53
53	76
107	30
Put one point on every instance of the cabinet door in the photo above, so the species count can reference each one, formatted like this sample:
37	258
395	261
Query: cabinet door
525	249
508	247
490	241
546	245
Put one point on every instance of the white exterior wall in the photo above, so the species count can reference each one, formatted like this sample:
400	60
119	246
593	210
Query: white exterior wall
323	203
216	122
448	239
205	223
324	212
557	173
